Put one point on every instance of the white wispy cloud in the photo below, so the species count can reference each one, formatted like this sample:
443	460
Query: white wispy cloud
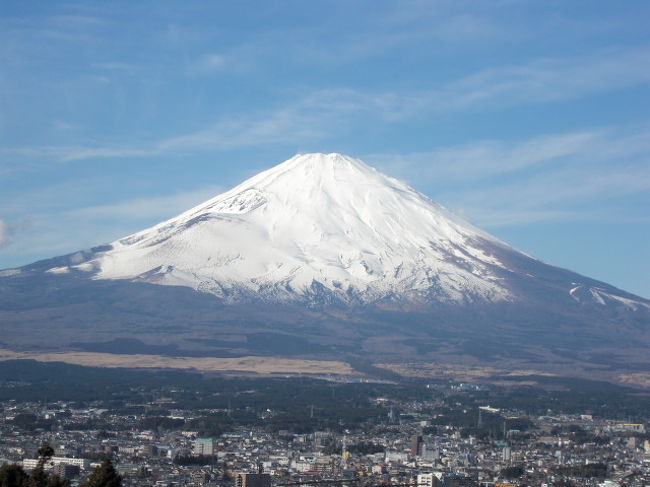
402	27
55	231
208	63
550	79
327	113
487	158
307	119
537	81
8	231
72	20
117	66
153	208
566	186
72	153
63	126
4	234
554	177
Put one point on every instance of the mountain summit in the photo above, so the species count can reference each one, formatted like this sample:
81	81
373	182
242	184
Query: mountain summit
316	224
321	228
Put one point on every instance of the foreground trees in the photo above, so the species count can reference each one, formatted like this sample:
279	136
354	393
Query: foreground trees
104	476
39	477
12	475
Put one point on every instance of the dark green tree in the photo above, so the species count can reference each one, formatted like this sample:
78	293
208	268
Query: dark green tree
104	476
45	452
38	477
511	472
12	475
56	481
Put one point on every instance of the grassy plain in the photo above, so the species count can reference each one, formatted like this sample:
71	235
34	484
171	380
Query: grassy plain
250	364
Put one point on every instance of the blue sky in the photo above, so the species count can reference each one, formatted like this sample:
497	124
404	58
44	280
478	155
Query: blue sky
529	118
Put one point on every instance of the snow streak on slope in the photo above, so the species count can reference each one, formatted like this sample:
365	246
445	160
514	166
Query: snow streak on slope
318	226
582	294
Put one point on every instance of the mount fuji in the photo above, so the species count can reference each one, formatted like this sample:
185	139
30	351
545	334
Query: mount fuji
315	225
328	253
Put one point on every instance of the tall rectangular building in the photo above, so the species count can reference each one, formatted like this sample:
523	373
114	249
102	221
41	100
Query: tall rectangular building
253	480
204	446
416	445
427	480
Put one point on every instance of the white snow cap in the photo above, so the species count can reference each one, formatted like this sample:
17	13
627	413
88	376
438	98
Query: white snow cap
316	223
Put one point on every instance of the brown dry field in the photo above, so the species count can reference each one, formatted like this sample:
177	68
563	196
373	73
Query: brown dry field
254	365
268	366
454	372
493	375
637	379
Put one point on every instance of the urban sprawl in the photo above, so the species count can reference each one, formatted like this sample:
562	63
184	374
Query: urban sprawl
407	447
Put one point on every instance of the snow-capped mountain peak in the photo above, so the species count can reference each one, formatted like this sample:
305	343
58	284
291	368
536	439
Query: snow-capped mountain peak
327	228
317	226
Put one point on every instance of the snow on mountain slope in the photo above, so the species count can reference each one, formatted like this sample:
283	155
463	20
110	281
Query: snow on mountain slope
598	295
315	225
327	228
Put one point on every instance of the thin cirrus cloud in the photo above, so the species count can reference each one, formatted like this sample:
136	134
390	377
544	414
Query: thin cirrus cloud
290	124
484	159
554	177
208	63
564	196
326	113
151	208
570	184
9	230
94	225
554	79
541	80
4	233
